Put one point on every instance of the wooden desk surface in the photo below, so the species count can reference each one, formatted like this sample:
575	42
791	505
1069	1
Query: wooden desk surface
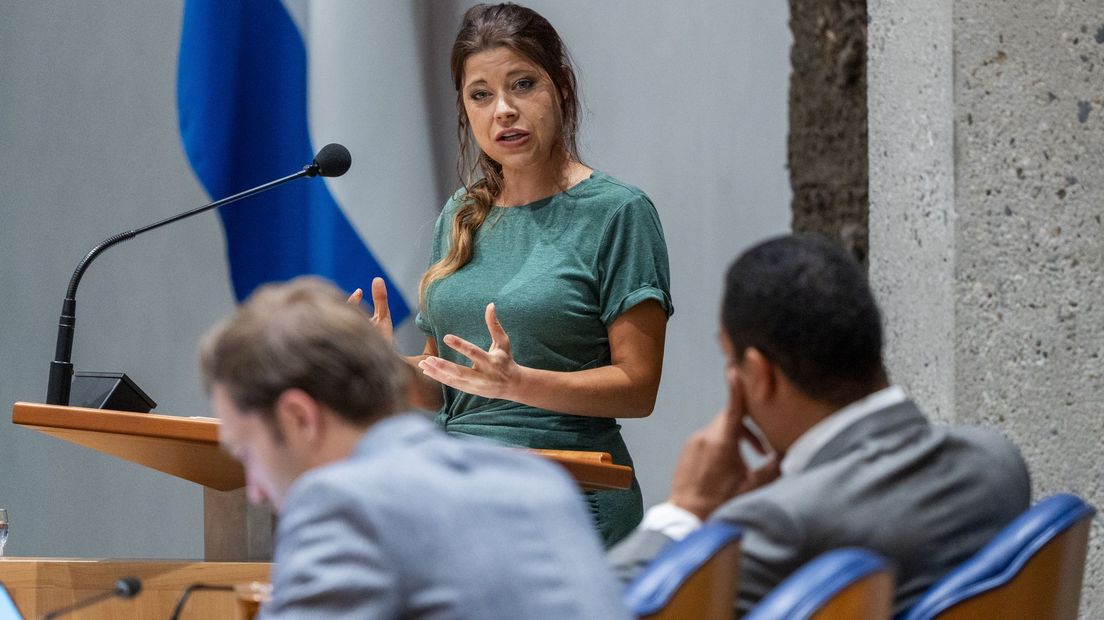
40	585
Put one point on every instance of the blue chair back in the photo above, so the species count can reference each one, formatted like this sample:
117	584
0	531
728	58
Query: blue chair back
842	583
691	578
1032	569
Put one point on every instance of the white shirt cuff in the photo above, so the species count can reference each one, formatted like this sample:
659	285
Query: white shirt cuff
670	520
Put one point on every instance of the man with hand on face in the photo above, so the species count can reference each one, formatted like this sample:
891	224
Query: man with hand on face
854	462
381	515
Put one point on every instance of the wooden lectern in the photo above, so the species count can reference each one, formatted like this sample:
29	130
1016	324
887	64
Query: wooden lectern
187	448
235	535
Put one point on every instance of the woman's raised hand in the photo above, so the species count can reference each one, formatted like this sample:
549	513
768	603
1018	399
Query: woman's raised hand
381	312
493	374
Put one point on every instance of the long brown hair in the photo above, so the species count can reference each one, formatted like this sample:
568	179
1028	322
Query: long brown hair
525	32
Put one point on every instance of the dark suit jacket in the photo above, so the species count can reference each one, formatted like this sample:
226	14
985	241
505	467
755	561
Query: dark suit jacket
925	497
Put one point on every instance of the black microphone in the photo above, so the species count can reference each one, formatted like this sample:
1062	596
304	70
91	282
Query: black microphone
127	587
332	161
116	390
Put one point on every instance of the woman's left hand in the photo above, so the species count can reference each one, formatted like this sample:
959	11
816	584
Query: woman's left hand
493	374
381	311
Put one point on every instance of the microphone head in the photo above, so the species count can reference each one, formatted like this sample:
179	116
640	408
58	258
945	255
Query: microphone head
127	587
332	161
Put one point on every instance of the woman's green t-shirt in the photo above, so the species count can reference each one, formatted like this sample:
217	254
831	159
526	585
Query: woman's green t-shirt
559	271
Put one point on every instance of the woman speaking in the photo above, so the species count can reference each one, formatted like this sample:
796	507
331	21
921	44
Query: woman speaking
546	301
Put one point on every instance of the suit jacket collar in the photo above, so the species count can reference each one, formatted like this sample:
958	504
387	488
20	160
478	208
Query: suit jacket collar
891	420
801	452
391	433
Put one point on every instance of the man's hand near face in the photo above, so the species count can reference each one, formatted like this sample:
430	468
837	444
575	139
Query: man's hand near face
711	470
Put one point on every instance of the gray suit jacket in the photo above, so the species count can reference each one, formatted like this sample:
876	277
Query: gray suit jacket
925	497
420	525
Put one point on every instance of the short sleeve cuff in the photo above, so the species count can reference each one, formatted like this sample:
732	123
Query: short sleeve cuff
422	324
636	297
670	520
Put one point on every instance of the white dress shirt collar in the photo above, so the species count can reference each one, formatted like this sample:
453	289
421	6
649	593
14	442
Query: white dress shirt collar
805	448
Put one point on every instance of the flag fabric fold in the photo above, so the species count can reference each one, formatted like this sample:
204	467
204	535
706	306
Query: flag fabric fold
242	101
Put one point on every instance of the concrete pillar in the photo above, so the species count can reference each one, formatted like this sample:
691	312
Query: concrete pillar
826	146
986	240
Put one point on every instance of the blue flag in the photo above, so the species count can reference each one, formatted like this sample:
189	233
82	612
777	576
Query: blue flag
243	113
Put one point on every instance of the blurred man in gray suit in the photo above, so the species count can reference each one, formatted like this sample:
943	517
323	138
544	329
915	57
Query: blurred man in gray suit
848	459
381	515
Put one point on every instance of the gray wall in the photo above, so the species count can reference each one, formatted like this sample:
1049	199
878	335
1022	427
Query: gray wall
89	136
987	187
687	103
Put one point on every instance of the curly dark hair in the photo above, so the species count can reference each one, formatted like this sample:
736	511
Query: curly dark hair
805	304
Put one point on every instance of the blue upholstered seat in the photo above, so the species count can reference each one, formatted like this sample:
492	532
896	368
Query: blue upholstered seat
672	567
820	581
1000	561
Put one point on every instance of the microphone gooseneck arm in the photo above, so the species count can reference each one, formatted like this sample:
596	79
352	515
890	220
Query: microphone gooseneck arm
57	613
61	369
195	587
119	238
127	587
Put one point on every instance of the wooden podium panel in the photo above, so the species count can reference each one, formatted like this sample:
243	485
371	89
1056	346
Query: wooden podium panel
188	447
40	585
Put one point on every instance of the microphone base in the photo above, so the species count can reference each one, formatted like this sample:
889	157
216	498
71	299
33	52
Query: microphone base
108	390
61	380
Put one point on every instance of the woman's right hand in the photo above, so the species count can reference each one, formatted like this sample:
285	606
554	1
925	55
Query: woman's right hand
381	312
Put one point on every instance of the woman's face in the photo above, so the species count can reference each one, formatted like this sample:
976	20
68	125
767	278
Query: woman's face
513	109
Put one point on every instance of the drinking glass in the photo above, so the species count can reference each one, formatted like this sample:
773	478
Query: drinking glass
3	530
